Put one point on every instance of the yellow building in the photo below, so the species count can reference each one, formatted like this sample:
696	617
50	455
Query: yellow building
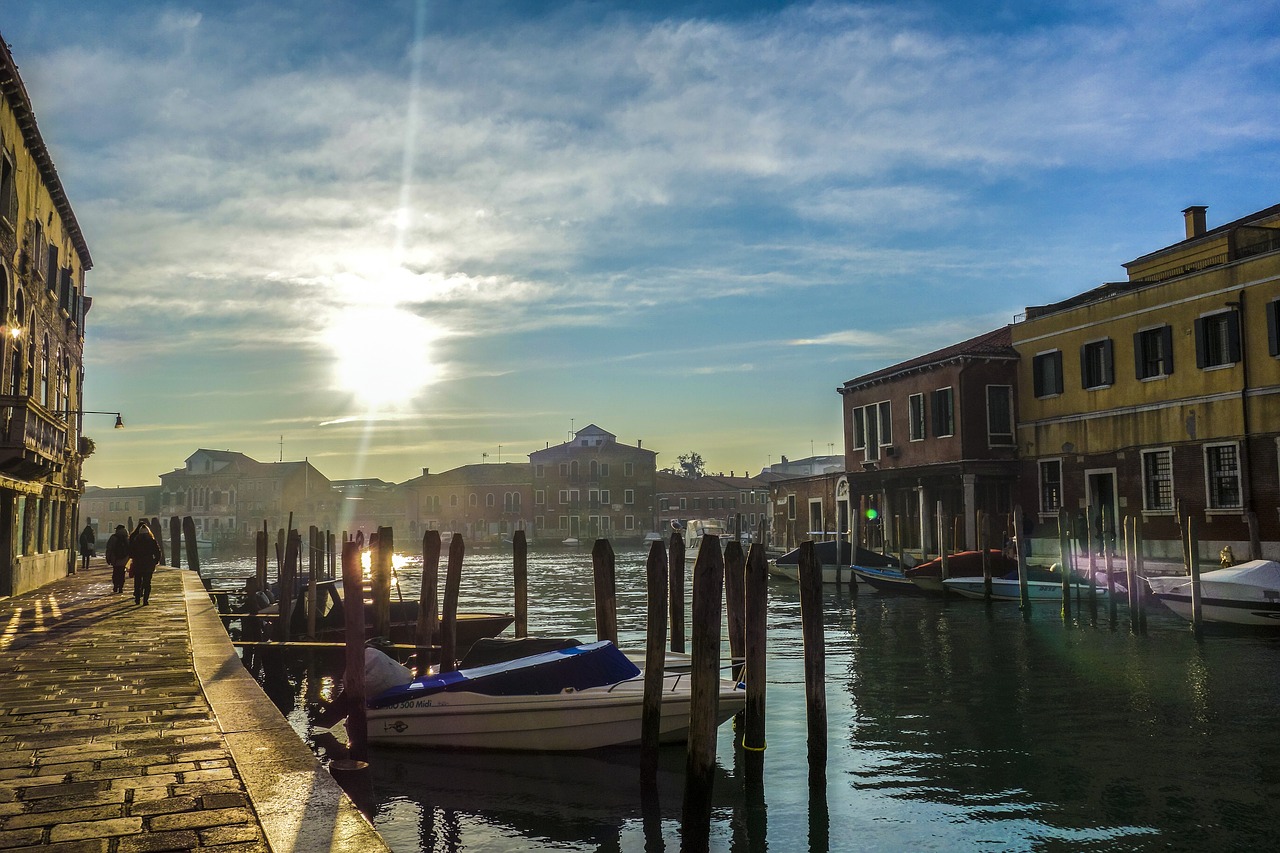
43	259
1159	397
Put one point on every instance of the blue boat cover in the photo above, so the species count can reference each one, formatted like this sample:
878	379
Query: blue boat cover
590	665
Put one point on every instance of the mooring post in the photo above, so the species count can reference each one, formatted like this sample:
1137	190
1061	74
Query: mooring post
1065	565
735	565
189	534
288	588
675	564
1108	566
942	542
756	617
984	537
1024	592
520	566
175	541
1130	569
815	657
428	599
604	583
449	622
159	532
1193	569
313	565
654	661
380	569
700	764
353	679
1140	582
260	559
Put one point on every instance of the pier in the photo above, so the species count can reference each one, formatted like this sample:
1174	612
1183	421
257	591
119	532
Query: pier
134	728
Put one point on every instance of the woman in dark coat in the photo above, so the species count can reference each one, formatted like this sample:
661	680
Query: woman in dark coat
144	551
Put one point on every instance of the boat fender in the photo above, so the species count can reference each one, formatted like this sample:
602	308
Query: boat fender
382	672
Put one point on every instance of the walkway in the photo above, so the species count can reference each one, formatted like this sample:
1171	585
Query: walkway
127	728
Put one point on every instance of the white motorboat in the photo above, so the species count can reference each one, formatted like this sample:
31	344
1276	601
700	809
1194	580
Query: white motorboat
1247	594
538	703
695	529
1006	589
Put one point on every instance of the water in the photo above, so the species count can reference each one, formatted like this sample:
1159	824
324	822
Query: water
951	725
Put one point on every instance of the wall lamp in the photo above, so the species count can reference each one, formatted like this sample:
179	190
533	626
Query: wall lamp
119	420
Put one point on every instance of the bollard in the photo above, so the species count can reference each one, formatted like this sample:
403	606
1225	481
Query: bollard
755	617
1065	565
449	622
654	662
700	764
428	599
735	565
380	571
815	657
675	592
602	564
520	567
353	679
175	541
189	534
1193	569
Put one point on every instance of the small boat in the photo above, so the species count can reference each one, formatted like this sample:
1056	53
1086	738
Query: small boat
834	558
577	698
695	529
650	538
1005	588
962	564
886	579
1247	594
571	542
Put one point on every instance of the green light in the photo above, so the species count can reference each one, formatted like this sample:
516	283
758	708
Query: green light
872	514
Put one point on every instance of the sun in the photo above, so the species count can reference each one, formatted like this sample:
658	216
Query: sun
382	355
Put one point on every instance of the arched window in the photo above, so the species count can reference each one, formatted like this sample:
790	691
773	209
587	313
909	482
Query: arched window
44	371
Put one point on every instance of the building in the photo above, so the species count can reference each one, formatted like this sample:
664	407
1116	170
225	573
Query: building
43	261
711	497
1158	398
103	509
229	496
485	503
370	503
593	487
929	437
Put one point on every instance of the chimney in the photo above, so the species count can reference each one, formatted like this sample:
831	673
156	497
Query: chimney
1194	218
426	471
639	443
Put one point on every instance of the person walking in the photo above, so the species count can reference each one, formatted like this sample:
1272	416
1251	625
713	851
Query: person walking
118	556
144	551
88	539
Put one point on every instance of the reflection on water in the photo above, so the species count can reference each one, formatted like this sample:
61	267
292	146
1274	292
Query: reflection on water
952	725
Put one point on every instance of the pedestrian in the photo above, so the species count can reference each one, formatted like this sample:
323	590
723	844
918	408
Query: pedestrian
88	539
144	551
118	556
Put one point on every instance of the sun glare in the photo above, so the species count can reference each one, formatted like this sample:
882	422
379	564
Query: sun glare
383	355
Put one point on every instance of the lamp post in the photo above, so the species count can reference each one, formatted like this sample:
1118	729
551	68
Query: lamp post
119	419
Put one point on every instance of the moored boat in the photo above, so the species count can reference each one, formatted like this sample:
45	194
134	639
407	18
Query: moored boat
1006	588
1247	594
963	564
886	579
834	556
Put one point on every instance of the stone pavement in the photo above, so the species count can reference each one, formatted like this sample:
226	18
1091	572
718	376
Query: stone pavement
127	728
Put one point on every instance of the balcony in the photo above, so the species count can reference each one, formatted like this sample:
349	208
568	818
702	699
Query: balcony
33	442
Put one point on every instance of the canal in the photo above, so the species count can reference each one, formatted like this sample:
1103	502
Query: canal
952	725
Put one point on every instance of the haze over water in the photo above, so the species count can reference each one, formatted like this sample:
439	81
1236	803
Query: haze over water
951	726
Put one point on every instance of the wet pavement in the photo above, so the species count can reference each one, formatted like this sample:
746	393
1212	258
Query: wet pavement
130	728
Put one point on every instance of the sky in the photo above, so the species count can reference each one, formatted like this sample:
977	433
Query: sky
400	234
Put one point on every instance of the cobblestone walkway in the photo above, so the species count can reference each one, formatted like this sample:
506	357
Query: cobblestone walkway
109	743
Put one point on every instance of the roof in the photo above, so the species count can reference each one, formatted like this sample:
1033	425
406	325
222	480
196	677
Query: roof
507	473
1266	213
16	93
996	344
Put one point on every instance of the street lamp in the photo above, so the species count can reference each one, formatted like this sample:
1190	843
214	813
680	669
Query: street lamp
119	420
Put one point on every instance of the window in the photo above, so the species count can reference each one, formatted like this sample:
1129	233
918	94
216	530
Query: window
1000	415
944	417
1097	369
473	499
1222	470
1047	373
540	497
1218	339
859	433
539	471
815	515
884	413
1273	327
593	497
1157	480
604	469
628	469
916	405
1050	486
683	503
791	507
604	496
871	432
453	500
490	500
564	496
628	496
564	469
1153	352
628	522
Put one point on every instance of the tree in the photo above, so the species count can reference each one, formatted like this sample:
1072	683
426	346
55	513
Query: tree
87	446
691	465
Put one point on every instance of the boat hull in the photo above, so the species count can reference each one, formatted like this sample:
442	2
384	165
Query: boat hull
1247	594
886	580
1256	614
1004	589
592	718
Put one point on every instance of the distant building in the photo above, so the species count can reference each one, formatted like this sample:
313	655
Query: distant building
593	487
103	508
43	261
807	467
1158	398
718	498
935	432
482	502
370	503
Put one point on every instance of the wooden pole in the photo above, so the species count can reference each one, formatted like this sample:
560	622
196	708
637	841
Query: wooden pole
175	541
189	534
603	571
380	570
520	565
654	662
313	565
735	564
155	527
1024	592
756	617
942	542
700	764
984	536
1130	569
1193	569
449	623
353	680
260	559
1065	565
1108	565
675	567
815	656
1140	583
428	598
288	586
